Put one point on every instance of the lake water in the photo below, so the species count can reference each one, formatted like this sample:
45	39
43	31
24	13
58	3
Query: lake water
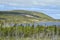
49	23
35	24
44	24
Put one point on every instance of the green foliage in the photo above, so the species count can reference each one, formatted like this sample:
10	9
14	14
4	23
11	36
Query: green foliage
27	30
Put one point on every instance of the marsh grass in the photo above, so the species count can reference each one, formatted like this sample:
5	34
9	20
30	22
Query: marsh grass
30	32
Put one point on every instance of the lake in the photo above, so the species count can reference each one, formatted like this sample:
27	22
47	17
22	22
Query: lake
30	24
44	23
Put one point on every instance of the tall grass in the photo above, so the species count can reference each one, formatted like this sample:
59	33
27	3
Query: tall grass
28	32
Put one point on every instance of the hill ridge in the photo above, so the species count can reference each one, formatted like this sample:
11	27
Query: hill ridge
24	16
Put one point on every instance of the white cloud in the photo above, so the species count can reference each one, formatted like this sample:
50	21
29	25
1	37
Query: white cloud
30	2
13	4
47	2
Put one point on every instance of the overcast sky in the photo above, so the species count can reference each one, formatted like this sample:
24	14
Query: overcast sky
49	7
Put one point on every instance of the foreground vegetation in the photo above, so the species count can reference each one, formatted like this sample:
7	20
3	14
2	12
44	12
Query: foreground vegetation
10	31
28	32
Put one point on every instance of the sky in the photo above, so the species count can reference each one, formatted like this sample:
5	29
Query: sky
49	7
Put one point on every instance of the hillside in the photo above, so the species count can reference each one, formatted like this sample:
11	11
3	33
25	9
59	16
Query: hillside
23	16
